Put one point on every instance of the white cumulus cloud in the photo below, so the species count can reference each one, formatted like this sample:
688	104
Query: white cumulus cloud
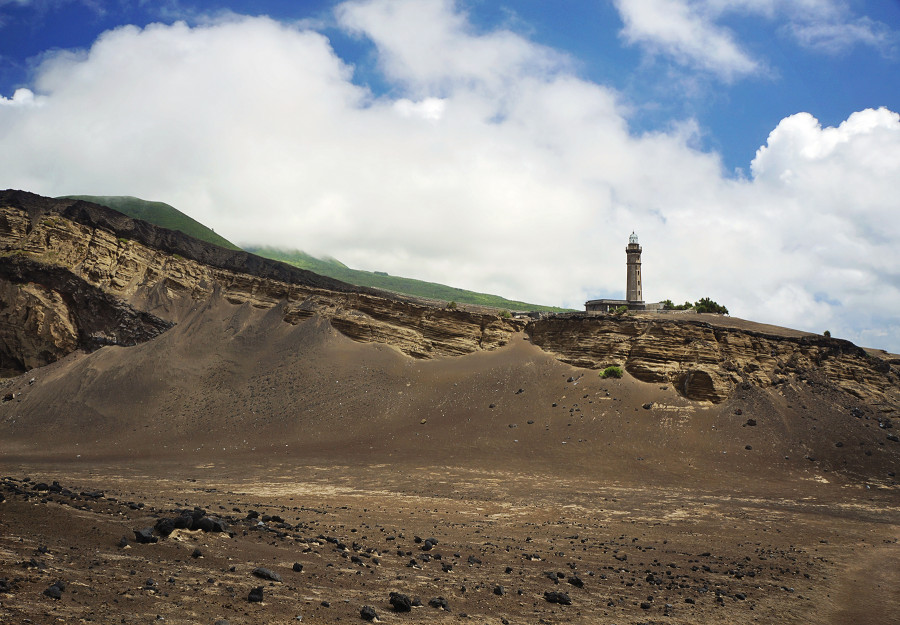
495	168
691	32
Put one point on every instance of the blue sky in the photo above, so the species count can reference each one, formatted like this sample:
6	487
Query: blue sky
508	147
735	120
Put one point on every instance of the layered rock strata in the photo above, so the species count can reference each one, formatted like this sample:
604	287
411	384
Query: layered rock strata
141	265
704	362
77	275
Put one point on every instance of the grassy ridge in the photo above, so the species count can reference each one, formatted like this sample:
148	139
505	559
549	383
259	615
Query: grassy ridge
159	214
166	216
408	286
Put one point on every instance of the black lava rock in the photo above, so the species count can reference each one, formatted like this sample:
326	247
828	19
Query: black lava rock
368	613
553	596
211	524
55	591
439	602
145	536
256	595
164	527
298	568
267	574
576	581
400	603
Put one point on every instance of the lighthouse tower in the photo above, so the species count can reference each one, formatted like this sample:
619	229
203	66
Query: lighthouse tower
633	293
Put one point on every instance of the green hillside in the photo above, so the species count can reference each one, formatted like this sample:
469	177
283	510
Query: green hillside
380	280
157	213
161	214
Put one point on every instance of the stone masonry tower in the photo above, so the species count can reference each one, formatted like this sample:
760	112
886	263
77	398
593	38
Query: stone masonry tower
633	292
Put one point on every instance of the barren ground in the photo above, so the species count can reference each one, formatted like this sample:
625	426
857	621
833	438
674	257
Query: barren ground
532	476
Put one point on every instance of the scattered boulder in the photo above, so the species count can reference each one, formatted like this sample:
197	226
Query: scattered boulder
55	591
576	581
554	596
211	524
164	527
297	568
145	536
400	602
499	590
256	595
367	613
266	574
751	422
439	603
648	405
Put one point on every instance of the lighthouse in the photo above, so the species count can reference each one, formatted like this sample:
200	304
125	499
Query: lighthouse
633	293
634	290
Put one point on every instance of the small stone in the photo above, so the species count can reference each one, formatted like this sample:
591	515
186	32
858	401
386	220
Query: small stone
648	405
367	613
145	536
499	590
751	422
197	553
267	574
256	595
298	568
553	596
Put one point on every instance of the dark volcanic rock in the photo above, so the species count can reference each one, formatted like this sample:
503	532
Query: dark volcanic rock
212	524
145	536
553	596
576	581
297	568
256	595
164	527
400	602
55	591
367	613
267	574
439	602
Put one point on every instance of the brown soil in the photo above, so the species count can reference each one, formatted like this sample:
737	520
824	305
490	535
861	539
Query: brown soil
526	464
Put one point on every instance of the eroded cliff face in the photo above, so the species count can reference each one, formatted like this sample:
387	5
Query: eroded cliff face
47	313
77	239
77	276
706	363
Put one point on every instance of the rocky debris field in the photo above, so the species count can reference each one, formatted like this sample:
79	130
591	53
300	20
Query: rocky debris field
134	549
